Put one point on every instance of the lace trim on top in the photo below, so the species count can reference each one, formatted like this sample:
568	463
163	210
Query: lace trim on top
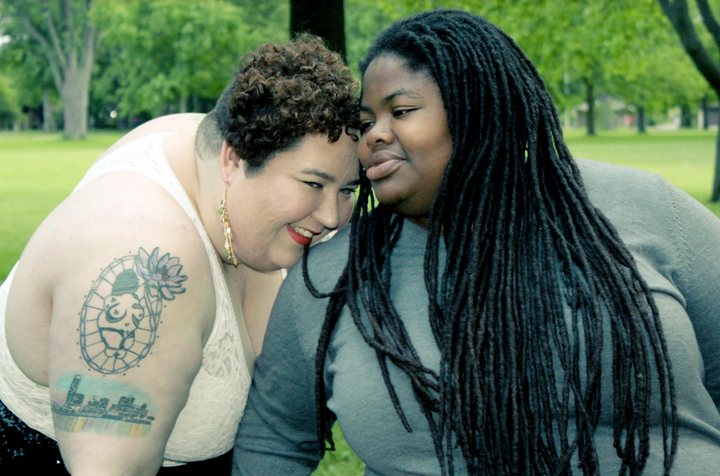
207	425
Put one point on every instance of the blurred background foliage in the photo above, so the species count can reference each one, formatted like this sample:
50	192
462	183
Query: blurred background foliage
154	57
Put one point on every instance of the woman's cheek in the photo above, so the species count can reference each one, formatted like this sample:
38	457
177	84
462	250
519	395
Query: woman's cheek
363	152
347	211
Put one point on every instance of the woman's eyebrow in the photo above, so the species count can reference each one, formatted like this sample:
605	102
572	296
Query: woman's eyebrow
328	177
318	173
387	99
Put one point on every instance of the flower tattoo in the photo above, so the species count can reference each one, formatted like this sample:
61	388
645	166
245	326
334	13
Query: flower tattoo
161	276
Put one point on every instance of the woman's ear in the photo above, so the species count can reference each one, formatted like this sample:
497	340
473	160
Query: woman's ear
230	163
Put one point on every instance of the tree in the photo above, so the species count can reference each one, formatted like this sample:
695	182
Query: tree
265	21
9	105
659	81
678	12
365	21
570	42
67	40
168	55
607	46
325	19
24	62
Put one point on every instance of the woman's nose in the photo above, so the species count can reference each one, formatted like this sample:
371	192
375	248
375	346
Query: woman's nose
378	134
328	213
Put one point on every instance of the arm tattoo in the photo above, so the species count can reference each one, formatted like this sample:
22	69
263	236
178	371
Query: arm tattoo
119	320
101	406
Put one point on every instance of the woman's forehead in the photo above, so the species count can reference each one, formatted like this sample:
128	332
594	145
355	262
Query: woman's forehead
388	76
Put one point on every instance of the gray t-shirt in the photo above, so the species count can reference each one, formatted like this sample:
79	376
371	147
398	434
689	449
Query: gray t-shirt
676	244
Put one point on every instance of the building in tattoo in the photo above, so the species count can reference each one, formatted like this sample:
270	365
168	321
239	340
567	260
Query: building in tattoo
97	407
124	410
74	398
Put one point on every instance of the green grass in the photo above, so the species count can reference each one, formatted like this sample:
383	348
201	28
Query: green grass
684	158
342	461
37	171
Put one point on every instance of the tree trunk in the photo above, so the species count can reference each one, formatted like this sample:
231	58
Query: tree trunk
641	119
325	19
49	124
75	95
183	107
704	107
70	51
685	117
590	98
715	197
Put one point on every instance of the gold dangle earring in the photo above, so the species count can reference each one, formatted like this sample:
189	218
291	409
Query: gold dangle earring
222	211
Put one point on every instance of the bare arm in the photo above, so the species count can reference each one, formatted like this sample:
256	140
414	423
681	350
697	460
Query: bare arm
132	304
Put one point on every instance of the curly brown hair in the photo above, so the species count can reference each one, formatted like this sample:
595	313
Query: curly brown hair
283	92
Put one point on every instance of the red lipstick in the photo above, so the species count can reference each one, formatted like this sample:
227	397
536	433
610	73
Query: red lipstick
300	239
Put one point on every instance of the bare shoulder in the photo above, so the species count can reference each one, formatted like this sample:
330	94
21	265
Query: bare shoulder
111	224
110	213
185	124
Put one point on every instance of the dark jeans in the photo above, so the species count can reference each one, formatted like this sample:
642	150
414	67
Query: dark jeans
26	451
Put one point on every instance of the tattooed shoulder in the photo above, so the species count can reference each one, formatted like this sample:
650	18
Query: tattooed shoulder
121	314
103	406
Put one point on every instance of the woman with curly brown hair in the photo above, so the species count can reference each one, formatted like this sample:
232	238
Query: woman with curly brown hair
133	318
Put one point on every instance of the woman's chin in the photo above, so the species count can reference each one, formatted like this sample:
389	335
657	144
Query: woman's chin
288	260
387	195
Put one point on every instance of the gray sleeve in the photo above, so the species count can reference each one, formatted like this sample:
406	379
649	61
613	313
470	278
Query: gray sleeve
698	279
277	434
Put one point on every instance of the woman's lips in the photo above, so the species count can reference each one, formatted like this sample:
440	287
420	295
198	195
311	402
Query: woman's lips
383	169
300	239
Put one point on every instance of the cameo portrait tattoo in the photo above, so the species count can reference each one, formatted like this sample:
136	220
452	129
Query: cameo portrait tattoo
90	404
120	316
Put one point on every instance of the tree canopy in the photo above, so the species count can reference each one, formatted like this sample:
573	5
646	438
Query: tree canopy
163	54
152	58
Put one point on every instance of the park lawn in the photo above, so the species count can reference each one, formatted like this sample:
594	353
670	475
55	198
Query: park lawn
37	172
684	158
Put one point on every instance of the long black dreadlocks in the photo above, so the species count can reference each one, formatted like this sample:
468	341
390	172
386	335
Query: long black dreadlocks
523	243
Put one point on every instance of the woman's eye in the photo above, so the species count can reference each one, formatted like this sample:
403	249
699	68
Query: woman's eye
365	126
313	184
401	112
348	191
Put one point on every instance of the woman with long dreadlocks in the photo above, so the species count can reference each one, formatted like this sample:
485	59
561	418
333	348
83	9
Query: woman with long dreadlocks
505	309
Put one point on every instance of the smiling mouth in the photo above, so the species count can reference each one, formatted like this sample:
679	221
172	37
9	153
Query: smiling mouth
301	235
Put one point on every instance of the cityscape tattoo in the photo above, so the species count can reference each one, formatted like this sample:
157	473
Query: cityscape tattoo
108	411
120	317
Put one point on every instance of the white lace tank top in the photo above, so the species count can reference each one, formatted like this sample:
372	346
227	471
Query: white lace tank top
207	425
